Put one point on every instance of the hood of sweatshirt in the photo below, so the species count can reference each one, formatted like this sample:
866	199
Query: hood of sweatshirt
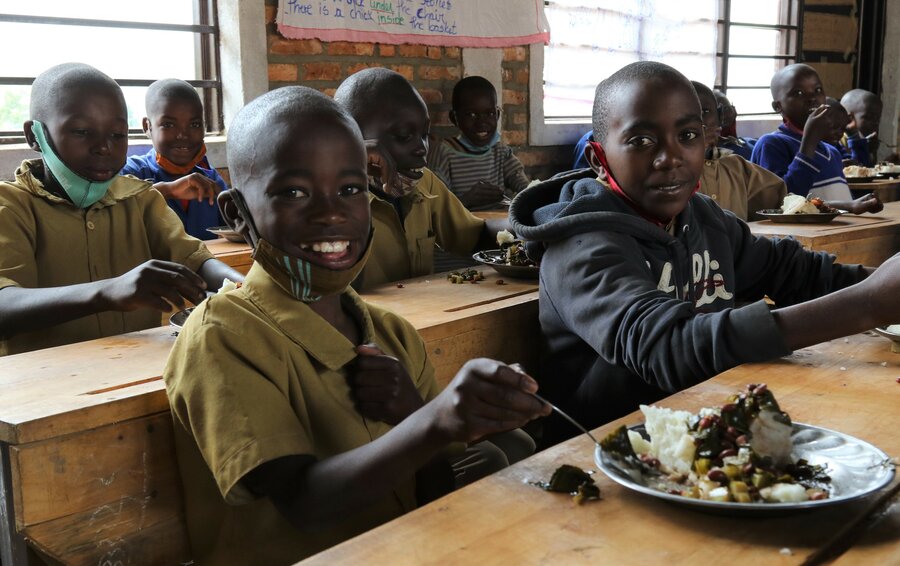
573	203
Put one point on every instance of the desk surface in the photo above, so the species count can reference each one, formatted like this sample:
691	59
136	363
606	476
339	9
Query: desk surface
840	385
842	225
81	386
875	185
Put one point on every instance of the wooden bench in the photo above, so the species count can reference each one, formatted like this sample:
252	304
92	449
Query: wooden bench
86	445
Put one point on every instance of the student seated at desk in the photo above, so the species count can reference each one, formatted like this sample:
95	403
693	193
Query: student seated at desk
861	132
729	139
640	275
412	210
797	151
88	253
177	163
302	413
475	165
733	182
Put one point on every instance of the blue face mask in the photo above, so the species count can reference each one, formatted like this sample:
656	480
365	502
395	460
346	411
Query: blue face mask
83	192
464	141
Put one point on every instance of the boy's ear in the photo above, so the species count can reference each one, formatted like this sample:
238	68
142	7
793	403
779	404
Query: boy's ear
145	123
594	161
29	135
232	214
776	106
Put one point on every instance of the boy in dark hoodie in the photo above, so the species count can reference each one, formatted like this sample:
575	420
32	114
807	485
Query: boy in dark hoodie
640	274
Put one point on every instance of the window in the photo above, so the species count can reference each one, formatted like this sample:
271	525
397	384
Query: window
133	42
733	45
755	40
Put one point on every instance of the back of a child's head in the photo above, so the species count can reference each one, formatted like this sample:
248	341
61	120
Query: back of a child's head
275	119
641	72
162	92
471	85
69	81
375	91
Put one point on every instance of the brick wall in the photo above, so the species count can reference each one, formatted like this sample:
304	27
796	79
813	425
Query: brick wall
432	70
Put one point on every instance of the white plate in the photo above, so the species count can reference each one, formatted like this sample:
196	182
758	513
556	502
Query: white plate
856	468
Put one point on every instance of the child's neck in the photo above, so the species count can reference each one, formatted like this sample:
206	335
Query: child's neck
331	308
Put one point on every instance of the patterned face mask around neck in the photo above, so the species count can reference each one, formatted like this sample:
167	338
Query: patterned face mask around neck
83	192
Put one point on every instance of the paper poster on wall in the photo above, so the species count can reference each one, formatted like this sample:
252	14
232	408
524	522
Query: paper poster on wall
461	23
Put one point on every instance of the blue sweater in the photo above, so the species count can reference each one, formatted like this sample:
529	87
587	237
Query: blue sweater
857	149
199	215
822	176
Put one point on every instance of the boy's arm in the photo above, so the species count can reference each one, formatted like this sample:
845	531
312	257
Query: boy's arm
866	203
195	186
797	171
214	273
866	305
859	149
515	178
153	284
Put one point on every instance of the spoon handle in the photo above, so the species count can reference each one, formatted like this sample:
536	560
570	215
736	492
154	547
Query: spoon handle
567	417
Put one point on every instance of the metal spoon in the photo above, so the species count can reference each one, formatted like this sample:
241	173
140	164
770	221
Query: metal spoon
567	417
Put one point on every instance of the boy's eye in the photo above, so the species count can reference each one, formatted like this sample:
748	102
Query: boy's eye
118	135
640	141
690	136
80	132
295	192
197	124
350	190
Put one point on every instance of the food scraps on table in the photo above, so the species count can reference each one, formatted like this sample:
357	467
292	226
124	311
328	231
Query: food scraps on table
739	452
574	481
466	276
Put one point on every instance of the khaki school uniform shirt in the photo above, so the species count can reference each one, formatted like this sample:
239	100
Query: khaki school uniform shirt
46	241
405	248
740	186
256	375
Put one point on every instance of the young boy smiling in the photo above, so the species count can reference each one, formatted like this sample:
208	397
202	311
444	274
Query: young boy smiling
88	253
475	165
415	210
177	163
303	414
640	276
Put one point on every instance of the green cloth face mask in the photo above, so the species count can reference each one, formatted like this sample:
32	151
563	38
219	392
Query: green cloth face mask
83	192
306	281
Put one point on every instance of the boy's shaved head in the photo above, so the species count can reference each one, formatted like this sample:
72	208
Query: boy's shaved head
165	90
859	99
608	89
784	78
65	81
374	91
704	90
471	84
271	120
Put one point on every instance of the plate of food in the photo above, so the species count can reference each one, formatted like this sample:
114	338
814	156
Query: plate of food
745	457
860	174
888	170
227	233
801	210
892	333
510	260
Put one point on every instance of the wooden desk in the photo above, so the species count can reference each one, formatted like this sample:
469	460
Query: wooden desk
492	214
868	239
86	454
888	190
233	254
503	519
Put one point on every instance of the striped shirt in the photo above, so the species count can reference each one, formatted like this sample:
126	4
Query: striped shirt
460	169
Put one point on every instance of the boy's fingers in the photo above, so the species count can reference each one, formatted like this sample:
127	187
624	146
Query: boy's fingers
369	349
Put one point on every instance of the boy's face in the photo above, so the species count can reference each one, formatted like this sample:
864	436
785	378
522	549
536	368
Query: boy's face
477	116
88	129
176	129
799	95
729	114
655	146
839	120
709	111
309	196
401	128
867	120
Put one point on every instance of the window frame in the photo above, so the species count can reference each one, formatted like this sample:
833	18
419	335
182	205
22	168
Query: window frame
208	63
547	132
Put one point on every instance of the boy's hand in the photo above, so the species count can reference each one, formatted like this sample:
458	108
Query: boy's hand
866	203
481	193
381	386
817	128
190	187
381	166
153	284
486	397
